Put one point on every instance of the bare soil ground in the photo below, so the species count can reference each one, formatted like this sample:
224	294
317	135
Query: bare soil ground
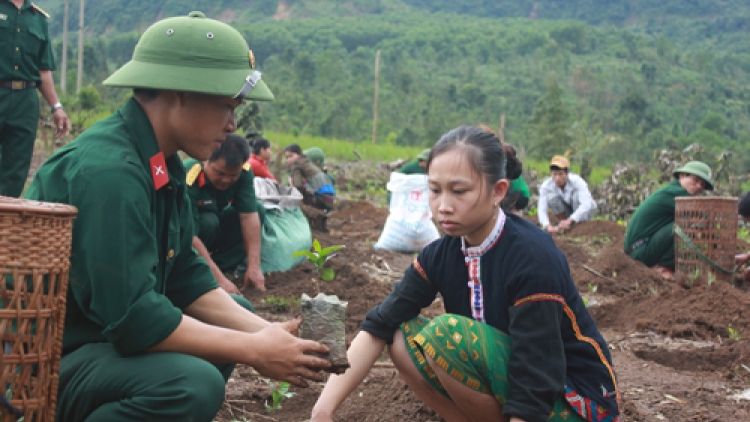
672	349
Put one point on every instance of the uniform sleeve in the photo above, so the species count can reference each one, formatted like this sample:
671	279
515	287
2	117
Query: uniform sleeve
541	214
244	197
46	59
113	274
191	276
405	302
536	369
585	200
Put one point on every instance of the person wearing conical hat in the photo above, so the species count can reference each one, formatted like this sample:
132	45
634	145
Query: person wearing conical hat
649	237
149	334
566	195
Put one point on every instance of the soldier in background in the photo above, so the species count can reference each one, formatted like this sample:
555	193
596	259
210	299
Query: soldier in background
26	62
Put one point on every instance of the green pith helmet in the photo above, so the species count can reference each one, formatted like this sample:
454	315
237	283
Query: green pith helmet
316	155
697	168
424	155
193	54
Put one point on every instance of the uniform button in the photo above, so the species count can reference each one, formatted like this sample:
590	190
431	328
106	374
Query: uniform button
170	254
16	48
19	30
15	67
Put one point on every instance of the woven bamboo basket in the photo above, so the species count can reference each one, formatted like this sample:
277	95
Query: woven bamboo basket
35	242
710	223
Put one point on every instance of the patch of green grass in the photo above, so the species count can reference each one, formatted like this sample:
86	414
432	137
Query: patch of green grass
281	304
345	150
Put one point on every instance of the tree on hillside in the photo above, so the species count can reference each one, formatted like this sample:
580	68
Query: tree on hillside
551	120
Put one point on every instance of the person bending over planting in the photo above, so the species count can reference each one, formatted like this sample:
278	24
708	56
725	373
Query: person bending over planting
227	216
517	343
312	182
567	195
649	238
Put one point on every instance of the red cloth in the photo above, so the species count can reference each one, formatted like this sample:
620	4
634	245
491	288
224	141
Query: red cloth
260	167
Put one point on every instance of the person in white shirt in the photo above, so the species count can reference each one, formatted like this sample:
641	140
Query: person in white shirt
565	194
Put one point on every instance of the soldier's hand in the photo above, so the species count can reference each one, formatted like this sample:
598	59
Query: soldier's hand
552	229
281	356
62	123
254	276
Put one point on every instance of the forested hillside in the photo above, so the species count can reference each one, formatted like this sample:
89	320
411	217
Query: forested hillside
614	91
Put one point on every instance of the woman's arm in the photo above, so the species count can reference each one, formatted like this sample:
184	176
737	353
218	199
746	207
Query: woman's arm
362	354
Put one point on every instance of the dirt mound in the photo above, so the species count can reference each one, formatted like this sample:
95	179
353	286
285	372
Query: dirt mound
598	229
701	313
613	272
359	220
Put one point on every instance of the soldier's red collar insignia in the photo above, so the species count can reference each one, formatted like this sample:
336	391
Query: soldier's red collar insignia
201	180
159	171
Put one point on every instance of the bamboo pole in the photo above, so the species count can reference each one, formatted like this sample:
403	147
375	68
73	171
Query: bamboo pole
375	101
79	76
64	70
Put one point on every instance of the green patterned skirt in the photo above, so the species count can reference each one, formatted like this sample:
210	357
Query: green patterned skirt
471	352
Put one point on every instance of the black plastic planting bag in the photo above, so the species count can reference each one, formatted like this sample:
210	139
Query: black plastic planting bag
323	320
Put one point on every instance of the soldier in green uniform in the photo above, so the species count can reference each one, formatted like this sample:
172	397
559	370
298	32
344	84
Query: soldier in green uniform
149	335
26	62
417	167
226	213
649	237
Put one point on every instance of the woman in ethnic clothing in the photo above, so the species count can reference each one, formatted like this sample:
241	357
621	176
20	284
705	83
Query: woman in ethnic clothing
517	343
314	184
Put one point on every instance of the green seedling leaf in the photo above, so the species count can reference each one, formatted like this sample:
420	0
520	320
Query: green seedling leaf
327	251
328	274
316	245
309	255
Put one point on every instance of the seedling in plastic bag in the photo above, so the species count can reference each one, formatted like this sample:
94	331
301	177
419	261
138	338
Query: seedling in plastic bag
318	257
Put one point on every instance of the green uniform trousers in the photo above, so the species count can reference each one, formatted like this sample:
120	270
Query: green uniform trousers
222	236
658	250
19	117
98	384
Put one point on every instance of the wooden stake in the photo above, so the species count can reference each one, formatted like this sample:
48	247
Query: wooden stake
79	76
375	100
64	70
501	129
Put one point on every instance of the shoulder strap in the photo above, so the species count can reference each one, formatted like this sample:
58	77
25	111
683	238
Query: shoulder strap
246	167
39	9
193	173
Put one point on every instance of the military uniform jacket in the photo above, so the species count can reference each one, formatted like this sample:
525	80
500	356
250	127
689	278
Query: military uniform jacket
25	46
204	197
654	213
133	268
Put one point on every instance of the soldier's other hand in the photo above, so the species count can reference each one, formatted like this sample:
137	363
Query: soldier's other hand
552	229
254	276
62	123
281	356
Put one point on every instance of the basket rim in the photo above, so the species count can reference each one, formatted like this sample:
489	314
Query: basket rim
706	199
28	206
